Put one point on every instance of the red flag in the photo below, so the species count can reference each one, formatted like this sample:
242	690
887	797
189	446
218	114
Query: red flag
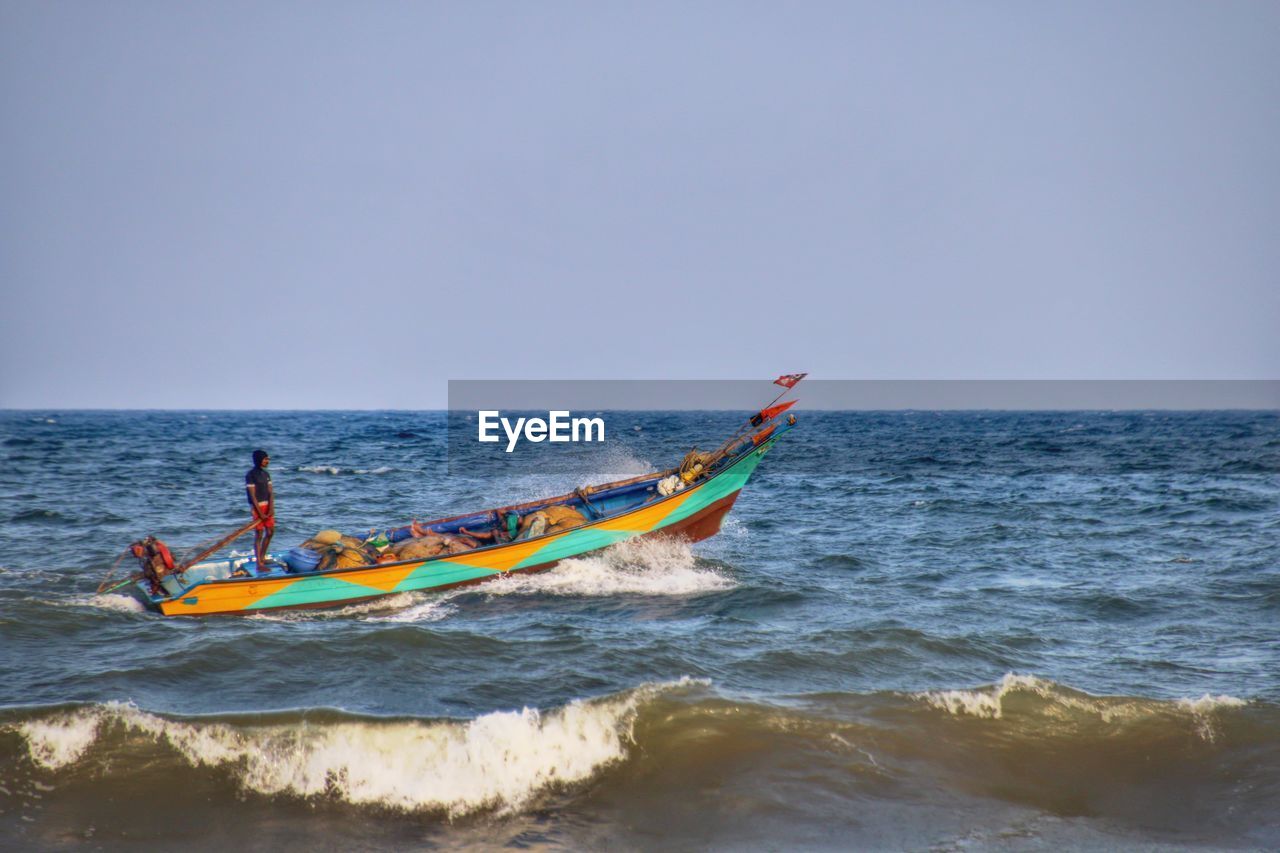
789	380
771	413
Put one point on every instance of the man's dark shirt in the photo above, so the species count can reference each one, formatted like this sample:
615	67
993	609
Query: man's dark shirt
261	482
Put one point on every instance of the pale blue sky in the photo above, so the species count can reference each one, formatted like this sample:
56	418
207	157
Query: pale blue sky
318	205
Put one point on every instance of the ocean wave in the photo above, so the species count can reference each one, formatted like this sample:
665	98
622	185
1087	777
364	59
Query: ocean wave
499	761
39	516
845	562
676	747
1029	697
985	702
1208	703
1204	712
338	470
657	567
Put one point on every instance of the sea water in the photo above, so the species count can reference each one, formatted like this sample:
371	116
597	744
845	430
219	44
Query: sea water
916	630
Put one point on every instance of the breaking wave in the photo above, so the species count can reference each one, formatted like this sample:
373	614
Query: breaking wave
676	747
1028	698
499	761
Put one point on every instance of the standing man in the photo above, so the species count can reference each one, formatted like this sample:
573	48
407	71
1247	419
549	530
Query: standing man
262	500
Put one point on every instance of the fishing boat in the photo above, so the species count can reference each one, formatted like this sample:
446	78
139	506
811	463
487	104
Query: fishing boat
689	501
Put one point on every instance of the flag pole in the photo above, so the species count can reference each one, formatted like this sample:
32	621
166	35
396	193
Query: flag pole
740	433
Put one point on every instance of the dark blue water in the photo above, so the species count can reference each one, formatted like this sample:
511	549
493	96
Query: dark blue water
916	629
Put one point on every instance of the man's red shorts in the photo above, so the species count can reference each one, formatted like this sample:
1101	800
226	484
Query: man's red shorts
270	522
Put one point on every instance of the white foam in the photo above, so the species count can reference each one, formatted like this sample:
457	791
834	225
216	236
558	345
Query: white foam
1207	703
733	527
500	760
112	601
989	703
431	610
335	470
320	469
986	702
61	741
394	602
1204	711
664	567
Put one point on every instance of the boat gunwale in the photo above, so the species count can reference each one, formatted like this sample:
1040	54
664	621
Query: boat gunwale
733	463
551	501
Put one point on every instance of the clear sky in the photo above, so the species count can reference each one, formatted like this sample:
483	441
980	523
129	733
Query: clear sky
320	205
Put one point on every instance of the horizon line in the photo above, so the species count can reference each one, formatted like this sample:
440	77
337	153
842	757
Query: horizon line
52	409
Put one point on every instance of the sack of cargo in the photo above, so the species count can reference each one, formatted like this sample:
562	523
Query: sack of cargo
350	557
551	519
432	545
533	524
458	544
564	517
423	548
315	544
333	551
327	537
345	552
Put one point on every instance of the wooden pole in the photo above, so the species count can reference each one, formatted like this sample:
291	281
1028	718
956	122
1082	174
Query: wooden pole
736	437
221	542
103	588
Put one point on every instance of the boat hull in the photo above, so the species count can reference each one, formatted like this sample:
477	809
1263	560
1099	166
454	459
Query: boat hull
693	514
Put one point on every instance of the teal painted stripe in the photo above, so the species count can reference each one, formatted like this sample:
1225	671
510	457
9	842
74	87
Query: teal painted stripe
574	544
721	487
323	590
314	591
441	574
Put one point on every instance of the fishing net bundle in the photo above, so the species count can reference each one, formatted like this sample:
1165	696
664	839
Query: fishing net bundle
340	552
